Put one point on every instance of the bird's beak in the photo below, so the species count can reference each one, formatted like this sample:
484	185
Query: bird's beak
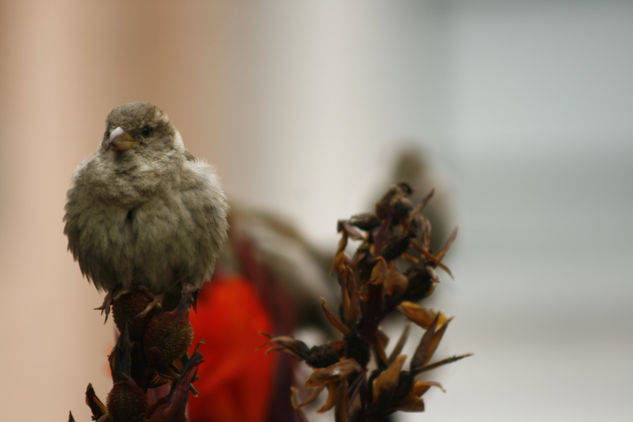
120	140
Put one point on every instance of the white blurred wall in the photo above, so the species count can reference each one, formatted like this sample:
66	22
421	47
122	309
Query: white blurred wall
525	107
539	103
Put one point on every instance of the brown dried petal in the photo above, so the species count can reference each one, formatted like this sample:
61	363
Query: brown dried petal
336	323
410	258
340	264
420	315
411	403
294	396
120	359
380	344
421	387
436	340
448	244
341	413
383	338
417	361
396	283
287	344
426	230
385	383
389	276
354	400
400	344
443	362
428	344
97	407
350	230
333	373
332	396
418	208
342	244
379	272
294	392
351	302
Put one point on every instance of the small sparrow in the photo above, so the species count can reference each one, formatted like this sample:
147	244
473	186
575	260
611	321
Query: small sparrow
143	211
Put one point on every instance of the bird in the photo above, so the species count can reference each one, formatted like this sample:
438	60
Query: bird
144	212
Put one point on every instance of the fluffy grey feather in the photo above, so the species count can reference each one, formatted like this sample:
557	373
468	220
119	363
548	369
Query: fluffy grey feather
143	210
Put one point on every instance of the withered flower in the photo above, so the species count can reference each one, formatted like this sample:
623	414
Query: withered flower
392	268
150	352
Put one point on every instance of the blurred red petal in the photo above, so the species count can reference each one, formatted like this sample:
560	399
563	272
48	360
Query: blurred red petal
236	377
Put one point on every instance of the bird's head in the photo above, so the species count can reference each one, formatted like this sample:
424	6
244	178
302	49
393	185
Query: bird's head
140	131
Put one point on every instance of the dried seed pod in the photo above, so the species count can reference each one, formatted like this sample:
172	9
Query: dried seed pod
405	384
168	337
322	356
422	281
384	385
126	401
126	309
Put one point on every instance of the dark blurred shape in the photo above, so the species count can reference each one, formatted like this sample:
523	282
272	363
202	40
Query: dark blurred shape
267	248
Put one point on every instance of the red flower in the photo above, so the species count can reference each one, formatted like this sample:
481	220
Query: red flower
236	377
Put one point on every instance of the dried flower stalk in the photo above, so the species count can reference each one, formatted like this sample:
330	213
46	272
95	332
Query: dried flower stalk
151	369
391	269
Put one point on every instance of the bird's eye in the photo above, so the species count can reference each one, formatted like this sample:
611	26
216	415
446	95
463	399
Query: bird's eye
147	131
106	135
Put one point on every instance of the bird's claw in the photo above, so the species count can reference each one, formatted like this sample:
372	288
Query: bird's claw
111	297
156	303
188	296
106	306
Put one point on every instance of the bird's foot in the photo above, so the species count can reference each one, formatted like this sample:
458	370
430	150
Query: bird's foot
188	296
106	306
156	303
111	297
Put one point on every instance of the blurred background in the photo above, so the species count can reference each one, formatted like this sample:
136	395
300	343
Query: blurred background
523	111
